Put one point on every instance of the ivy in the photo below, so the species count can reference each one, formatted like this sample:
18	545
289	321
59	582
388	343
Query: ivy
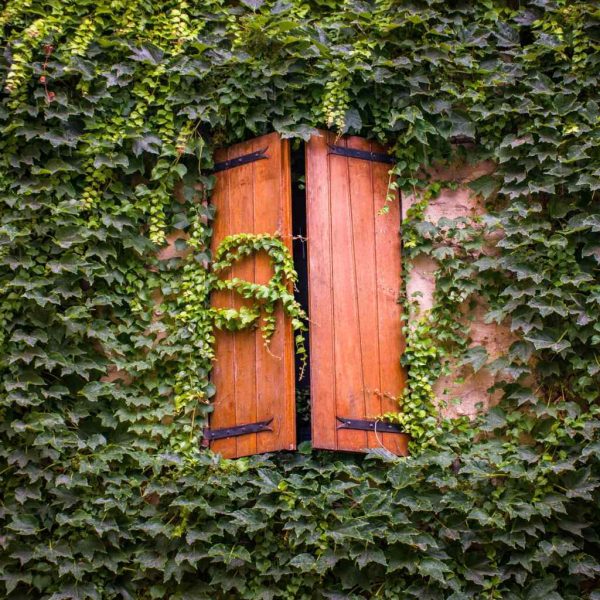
437	339
267	297
198	318
109	114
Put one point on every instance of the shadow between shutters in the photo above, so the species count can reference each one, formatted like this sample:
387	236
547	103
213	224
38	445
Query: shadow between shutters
254	384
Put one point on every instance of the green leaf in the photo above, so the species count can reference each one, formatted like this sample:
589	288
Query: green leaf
253	4
547	340
485	186
371	555
434	568
146	143
147	53
24	525
494	419
476	357
305	563
352	121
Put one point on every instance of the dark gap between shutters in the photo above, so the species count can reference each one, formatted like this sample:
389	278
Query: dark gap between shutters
298	163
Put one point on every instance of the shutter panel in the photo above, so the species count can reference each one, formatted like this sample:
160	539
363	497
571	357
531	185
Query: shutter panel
354	268
253	383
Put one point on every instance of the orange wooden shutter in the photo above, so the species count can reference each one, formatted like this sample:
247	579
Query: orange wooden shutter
354	280
253	383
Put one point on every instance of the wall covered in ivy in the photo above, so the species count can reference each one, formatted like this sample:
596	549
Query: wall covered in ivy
467	388
109	106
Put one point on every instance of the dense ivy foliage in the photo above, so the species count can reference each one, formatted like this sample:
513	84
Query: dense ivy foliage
109	106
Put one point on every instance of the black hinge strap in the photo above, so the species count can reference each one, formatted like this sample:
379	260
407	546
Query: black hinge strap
227	432
240	160
367	425
362	154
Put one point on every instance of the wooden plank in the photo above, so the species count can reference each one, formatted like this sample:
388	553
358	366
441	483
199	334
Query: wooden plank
320	294
272	215
388	251
354	282
241	220
252	384
350	401
223	373
365	269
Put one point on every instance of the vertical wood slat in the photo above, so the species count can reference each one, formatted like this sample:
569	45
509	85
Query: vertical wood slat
223	372
388	252
320	295
348	356
363	232
354	281
253	383
241	219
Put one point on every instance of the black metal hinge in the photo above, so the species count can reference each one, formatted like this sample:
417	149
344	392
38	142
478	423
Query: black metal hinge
227	432
367	425
240	160
362	154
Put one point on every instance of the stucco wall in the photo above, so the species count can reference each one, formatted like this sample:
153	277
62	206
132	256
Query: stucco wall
472	393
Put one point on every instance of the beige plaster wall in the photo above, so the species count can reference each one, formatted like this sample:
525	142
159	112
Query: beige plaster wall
472	392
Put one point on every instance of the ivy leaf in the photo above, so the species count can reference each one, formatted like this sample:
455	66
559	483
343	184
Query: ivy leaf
180	221
505	35
110	160
559	546
305	448
434	568
495	418
30	338
11	580
591	250
543	590
381	454
148	53
304	562
24	525
77	592
476	357
70	264
352	121
580	484
371	555
461	126
146	143
485	186
520	350
582	222
547	340
53	166
584	564
253	4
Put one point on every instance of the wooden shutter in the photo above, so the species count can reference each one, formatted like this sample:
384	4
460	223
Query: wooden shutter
253	383
354	280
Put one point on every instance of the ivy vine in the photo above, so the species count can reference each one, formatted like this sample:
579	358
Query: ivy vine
279	289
